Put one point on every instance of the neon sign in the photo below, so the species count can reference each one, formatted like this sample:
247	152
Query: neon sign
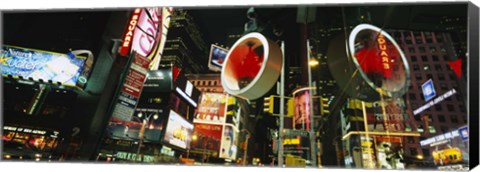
127	40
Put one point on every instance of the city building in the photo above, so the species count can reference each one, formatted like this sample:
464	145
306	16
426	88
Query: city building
185	48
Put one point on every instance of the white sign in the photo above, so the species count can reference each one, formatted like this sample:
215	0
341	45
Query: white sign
435	101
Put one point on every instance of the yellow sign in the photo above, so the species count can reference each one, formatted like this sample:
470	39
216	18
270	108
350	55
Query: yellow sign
291	141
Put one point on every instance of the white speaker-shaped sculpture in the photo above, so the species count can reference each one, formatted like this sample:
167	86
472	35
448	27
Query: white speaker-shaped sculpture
252	66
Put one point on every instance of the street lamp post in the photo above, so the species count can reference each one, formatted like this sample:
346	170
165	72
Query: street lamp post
311	62
246	147
142	129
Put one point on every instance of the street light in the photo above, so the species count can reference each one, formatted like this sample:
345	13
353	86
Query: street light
246	146
311	63
142	129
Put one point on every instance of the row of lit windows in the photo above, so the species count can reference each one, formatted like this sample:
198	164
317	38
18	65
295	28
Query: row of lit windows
205	82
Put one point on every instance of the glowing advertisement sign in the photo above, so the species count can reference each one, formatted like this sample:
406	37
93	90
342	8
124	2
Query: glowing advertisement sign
434	101
207	138
302	109
217	57
41	65
130	130
228	149
461	132
178	132
146	33
211	108
428	90
296	142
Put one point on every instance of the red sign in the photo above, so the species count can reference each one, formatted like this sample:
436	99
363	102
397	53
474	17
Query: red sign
127	40
136	76
208	137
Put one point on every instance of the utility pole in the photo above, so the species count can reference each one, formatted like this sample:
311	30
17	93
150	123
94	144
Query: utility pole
282	106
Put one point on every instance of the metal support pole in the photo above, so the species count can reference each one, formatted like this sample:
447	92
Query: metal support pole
313	151
282	106
246	149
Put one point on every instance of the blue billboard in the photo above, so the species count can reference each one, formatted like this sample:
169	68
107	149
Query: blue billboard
41	65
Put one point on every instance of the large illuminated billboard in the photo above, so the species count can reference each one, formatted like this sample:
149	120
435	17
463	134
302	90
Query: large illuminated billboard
207	138
41	65
146	33
211	108
178	131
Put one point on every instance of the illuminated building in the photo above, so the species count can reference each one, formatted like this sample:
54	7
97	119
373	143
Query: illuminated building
185	47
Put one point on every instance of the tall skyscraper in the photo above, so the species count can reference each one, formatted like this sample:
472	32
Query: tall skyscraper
185	48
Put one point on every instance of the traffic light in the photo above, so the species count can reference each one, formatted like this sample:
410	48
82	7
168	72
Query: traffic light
324	110
271	105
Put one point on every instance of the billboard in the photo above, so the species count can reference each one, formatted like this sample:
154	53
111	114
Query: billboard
228	147
131	130
41	65
211	108
389	153
160	80
297	142
146	33
207	138
302	109
178	132
217	57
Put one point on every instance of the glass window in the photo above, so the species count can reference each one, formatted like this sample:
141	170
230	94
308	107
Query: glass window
414	58
462	108
426	67
441	118
421	49
438	107
416	67
450	108
433	49
435	58
424	58
438	67
441	76
411	50
429	76
418	76
454	119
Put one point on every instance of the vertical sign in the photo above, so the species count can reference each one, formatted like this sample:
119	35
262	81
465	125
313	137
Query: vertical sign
131	88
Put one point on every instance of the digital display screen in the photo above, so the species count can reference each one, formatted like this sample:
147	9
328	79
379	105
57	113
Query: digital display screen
179	131
41	65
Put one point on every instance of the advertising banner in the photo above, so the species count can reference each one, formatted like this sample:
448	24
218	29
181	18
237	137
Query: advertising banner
391	120
211	108
389	153
217	57
131	89
41	65
146	33
207	138
302	109
178	132
297	142
131	130
228	149
159	81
